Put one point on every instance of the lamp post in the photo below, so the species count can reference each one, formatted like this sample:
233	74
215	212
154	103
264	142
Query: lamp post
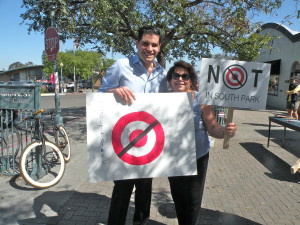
61	78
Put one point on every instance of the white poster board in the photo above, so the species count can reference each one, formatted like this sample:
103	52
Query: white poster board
153	137
234	83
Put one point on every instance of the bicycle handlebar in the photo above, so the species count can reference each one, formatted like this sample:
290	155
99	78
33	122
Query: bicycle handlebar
38	112
33	116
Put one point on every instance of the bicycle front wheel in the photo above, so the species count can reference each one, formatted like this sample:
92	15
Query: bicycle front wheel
63	142
42	168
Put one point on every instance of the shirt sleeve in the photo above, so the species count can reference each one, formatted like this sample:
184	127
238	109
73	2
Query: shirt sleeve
294	91
297	88
111	78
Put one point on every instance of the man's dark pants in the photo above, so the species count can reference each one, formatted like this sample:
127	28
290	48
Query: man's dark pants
120	200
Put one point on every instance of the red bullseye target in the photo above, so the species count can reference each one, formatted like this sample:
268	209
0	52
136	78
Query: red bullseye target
134	134
138	138
235	77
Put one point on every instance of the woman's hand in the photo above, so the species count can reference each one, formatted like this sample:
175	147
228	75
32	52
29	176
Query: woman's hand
230	129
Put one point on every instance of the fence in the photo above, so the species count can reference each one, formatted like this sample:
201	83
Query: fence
16	102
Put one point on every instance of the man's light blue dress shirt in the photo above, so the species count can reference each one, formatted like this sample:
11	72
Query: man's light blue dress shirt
130	72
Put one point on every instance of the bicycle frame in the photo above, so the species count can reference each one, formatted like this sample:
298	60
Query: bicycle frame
39	136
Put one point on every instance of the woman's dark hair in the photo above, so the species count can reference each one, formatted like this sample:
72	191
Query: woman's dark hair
149	30
189	68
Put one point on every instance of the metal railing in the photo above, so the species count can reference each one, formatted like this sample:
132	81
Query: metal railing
16	102
14	136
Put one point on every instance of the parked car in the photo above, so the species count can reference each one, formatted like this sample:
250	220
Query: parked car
28	83
12	82
48	87
87	85
80	86
70	85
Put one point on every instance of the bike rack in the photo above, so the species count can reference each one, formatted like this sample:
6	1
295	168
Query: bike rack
24	99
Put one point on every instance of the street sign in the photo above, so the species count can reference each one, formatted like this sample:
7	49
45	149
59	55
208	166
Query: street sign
51	43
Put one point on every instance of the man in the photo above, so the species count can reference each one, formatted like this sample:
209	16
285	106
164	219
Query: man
293	98
139	73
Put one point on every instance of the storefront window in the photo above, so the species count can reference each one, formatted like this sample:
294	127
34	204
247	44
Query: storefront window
274	77
273	85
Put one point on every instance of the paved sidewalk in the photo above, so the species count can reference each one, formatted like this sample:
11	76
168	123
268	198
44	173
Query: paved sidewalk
246	184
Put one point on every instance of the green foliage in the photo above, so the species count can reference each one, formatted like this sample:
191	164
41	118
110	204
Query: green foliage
190	27
43	90
16	65
251	47
86	64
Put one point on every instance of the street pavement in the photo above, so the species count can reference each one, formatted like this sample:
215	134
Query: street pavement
246	184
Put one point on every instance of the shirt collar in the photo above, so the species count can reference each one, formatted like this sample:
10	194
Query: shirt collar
135	59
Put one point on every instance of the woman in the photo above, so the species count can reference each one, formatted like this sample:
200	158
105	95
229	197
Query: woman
187	191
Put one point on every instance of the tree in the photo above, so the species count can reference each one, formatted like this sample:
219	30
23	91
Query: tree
190	28
15	65
29	64
85	63
19	65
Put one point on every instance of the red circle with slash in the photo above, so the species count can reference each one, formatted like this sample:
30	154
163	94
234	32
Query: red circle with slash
235	76
138	139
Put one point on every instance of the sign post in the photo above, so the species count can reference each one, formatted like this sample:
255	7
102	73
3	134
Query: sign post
51	49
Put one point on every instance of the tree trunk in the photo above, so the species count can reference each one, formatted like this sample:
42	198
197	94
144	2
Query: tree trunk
161	59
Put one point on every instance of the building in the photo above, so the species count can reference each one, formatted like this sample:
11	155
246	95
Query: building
284	57
28	73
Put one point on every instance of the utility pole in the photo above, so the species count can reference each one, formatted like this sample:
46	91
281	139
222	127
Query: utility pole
61	78
76	45
58	117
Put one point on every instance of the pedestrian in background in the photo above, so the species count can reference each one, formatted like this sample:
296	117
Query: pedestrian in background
293	98
135	74
187	191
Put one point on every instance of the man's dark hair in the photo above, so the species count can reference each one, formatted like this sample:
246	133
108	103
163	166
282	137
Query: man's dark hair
189	67
148	30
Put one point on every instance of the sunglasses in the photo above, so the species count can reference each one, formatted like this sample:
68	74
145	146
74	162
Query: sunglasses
184	76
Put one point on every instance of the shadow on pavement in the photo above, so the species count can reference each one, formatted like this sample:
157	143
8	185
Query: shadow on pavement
292	140
166	208
90	208
73	113
279	169
71	121
18	183
208	216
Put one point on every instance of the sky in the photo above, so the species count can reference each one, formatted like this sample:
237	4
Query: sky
19	46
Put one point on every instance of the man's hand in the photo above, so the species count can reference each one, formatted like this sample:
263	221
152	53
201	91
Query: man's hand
123	93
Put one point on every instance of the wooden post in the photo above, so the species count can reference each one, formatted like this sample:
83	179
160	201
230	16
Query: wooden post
295	167
228	120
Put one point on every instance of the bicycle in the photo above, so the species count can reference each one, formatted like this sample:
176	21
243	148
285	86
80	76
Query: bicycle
42	163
